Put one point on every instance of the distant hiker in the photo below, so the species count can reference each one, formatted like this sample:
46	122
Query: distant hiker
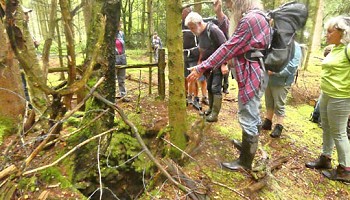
276	93
210	37
252	31
335	101
121	60
191	56
156	44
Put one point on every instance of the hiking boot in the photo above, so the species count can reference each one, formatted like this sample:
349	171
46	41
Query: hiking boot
126	99
276	133
323	162
205	100
196	103
189	100
267	124
339	174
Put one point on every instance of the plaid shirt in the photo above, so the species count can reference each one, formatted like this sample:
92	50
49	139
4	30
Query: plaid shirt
252	32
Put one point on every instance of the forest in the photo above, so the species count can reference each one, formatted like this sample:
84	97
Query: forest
70	136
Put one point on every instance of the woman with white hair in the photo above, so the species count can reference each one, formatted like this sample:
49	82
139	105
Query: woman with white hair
251	32
335	101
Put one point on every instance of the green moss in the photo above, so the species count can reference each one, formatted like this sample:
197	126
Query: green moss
6	127
29	184
52	175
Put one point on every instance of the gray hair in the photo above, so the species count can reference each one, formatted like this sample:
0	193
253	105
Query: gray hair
193	17
341	23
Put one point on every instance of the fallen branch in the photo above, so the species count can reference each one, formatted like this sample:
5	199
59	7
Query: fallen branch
229	188
70	152
263	182
143	145
13	168
199	191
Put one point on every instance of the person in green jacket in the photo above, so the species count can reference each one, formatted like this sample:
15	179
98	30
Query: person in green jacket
335	101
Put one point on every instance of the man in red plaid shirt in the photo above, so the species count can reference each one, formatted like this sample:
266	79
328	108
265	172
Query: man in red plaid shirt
251	33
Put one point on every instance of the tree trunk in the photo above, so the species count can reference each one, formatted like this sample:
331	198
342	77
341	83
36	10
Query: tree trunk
11	88
48	40
87	9
41	11
106	64
150	27
68	31
143	22
317	36
313	29
177	105
23	46
131	3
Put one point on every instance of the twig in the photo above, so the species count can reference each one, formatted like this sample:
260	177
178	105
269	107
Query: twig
76	131
229	188
179	149
57	125
195	3
99	167
70	152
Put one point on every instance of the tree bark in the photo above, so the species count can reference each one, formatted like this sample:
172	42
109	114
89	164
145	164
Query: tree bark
317	36
313	29
11	88
177	105
106	63
69	33
23	47
87	9
49	39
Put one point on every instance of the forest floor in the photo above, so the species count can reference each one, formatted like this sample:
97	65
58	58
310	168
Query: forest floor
300	142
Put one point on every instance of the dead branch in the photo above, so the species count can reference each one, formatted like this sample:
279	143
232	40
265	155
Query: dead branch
263	182
229	188
70	152
199	190
13	168
76	131
57	125
195	3
143	145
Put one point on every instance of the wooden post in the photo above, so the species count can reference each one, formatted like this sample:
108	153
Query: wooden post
161	73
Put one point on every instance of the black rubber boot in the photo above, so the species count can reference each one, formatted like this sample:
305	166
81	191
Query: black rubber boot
276	133
238	144
267	124
207	112
245	160
196	103
213	116
225	84
323	162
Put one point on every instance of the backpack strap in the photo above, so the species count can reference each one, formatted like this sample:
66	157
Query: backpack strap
346	52
209	33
